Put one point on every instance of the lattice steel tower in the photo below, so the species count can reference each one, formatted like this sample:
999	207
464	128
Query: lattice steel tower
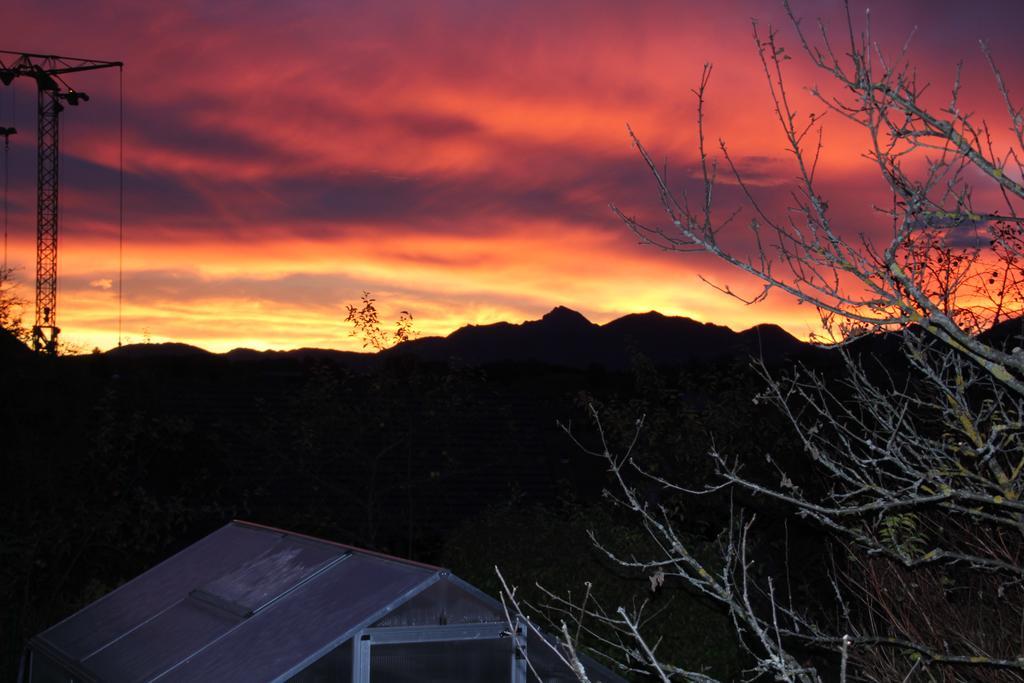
53	94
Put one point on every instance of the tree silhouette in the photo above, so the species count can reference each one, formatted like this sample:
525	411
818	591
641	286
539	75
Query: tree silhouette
12	306
366	325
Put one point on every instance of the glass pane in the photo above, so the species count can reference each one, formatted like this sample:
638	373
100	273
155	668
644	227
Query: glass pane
116	614
259	580
465	661
443	603
312	618
160	643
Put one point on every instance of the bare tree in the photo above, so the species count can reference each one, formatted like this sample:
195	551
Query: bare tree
923	467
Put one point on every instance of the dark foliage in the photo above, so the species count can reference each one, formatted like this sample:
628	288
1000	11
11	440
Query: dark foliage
113	461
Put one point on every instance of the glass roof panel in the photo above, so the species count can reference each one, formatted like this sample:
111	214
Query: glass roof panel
258	581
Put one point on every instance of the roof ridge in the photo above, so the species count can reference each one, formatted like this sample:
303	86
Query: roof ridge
351	548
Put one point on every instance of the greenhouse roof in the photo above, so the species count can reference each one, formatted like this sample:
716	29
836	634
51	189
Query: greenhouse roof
244	603
253	603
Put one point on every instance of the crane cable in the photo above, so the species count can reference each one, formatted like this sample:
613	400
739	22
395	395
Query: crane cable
120	211
7	154
7	166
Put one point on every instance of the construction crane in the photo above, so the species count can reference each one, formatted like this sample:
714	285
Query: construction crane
54	93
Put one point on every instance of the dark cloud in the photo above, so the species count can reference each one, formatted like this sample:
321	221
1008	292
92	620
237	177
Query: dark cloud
323	203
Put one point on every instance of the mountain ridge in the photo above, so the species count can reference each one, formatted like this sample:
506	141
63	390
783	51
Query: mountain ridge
561	337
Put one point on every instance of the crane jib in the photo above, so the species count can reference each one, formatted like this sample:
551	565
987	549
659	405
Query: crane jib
54	92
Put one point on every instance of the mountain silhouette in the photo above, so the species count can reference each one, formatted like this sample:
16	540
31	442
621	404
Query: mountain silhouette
159	350
1007	334
564	337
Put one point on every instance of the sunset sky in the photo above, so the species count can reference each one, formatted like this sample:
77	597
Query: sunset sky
456	158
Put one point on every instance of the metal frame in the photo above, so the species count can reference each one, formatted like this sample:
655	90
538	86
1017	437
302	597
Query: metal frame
520	663
361	658
45	330
47	71
363	642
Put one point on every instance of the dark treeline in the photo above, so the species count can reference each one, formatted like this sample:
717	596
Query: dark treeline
113	462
